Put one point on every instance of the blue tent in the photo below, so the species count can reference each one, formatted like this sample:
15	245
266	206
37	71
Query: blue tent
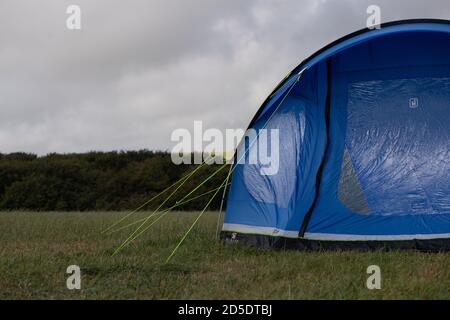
364	153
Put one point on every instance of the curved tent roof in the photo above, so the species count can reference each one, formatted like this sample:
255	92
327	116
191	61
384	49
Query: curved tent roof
401	26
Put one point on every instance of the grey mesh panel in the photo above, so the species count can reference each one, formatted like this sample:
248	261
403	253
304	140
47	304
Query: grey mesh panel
349	189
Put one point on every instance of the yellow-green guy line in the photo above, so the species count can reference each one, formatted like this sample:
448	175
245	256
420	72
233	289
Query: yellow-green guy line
156	210
145	229
195	222
163	213
133	236
182	179
132	223
176	205
147	202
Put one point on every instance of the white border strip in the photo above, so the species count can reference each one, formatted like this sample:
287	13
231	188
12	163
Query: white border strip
242	228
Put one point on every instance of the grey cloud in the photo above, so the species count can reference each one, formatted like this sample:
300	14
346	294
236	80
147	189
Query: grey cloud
140	69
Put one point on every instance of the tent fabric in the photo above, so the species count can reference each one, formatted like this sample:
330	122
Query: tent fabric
364	131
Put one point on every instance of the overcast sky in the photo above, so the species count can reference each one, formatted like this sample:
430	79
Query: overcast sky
137	70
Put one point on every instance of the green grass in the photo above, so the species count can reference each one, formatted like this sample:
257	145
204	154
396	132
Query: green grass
36	249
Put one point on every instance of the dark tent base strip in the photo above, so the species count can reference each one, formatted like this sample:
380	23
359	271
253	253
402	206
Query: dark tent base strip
266	241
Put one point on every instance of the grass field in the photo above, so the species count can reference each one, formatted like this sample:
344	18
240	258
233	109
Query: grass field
36	249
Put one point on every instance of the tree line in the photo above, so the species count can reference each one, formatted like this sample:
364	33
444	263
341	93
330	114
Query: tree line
102	181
